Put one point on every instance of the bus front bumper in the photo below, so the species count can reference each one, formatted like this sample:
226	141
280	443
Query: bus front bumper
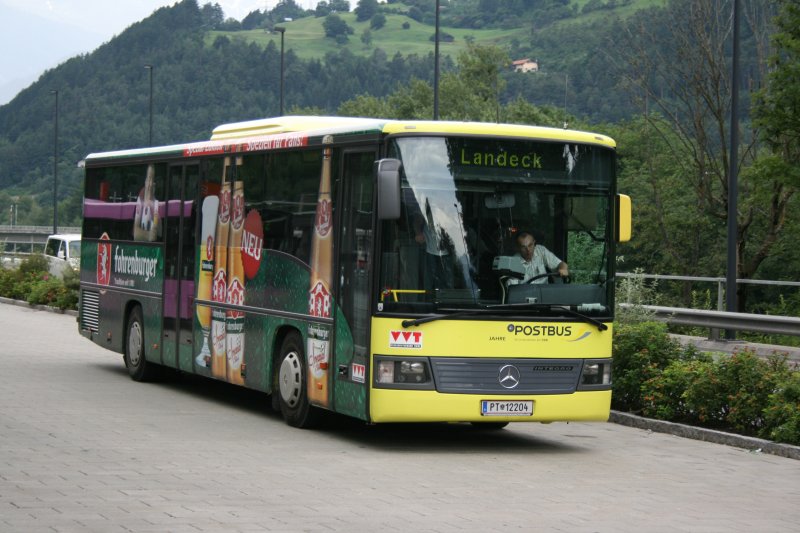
392	405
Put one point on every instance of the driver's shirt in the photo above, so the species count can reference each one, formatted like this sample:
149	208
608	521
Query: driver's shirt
543	260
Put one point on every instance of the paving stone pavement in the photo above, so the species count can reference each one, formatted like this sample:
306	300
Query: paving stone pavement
84	448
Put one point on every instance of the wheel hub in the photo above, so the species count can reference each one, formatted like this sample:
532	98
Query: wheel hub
290	379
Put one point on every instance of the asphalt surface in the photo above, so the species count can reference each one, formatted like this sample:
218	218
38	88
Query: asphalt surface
84	448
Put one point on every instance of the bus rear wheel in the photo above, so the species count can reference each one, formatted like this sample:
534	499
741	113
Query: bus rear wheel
138	367
292	384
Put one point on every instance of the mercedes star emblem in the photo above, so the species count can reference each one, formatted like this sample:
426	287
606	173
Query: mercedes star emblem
509	376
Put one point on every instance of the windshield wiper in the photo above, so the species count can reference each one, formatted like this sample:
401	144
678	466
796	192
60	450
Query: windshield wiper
506	307
432	318
562	307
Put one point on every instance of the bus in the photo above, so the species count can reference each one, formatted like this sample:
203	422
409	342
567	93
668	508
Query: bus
289	255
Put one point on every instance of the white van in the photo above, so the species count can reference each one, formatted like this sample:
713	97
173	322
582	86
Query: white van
63	251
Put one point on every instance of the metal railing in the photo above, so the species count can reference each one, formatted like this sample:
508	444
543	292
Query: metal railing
24	240
720	319
716	320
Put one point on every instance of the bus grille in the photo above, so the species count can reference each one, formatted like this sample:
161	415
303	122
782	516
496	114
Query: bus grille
90	310
506	376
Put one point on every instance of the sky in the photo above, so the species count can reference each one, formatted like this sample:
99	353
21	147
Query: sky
41	34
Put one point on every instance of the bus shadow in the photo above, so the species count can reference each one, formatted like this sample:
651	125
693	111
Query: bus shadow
444	438
204	389
408	437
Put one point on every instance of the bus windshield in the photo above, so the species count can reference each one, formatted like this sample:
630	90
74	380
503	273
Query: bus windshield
469	203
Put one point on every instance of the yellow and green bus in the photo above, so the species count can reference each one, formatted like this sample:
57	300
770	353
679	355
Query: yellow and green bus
367	267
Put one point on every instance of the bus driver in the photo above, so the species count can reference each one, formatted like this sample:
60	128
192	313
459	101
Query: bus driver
533	260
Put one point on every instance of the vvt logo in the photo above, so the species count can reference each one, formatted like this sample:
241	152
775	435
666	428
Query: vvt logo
405	339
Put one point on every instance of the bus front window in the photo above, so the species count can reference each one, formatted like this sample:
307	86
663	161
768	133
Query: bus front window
465	202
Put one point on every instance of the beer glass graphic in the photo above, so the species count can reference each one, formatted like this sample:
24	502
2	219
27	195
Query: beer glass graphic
234	320
219	291
206	274
319	294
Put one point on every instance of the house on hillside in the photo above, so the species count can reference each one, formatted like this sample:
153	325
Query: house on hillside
526	65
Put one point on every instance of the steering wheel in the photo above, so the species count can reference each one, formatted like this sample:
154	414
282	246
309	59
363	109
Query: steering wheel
555	275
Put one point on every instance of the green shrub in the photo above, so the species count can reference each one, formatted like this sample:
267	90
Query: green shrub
641	351
7	280
656	377
45	291
32	282
636	292
745	383
68	299
664	395
782	414
34	264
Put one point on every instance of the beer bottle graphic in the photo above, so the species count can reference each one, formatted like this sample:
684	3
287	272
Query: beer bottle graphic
234	323
219	291
319	300
205	274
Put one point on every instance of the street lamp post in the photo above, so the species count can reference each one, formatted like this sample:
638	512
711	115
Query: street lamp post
150	138
282	31
733	186
55	163
436	67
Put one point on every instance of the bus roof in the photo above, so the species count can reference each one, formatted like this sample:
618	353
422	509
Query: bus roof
295	131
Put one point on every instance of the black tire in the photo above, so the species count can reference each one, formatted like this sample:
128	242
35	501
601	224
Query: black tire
490	426
138	367
291	384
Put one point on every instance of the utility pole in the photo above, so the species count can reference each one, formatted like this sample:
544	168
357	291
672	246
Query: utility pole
733	186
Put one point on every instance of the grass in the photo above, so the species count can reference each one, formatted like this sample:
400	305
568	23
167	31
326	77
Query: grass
306	37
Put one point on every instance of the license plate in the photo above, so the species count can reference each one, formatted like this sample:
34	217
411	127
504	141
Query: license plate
506	408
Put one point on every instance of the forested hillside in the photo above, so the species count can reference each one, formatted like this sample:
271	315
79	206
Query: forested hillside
208	70
654	74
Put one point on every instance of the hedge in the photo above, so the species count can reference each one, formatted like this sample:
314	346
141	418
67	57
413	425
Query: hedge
656	377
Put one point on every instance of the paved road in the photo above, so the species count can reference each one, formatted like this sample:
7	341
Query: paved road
83	448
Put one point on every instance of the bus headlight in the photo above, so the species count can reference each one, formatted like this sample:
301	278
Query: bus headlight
596	375
402	373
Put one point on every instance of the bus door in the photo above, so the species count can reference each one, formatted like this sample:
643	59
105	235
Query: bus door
351	354
179	258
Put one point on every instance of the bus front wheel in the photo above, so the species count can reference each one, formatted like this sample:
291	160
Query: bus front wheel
138	367
292	384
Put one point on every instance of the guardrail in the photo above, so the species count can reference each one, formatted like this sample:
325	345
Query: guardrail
721	319
36	230
27	239
779	325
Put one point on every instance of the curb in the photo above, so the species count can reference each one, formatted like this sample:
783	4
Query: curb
20	303
709	435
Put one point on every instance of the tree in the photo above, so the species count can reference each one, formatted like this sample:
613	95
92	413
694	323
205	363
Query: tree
366	9
377	21
479	68
212	15
777	108
286	9
323	9
680	68
336	28
339	6
366	37
254	19
469	94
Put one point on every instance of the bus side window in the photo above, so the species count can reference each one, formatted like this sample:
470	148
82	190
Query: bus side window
292	183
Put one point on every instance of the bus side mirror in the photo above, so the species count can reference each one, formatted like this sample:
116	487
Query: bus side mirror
387	175
622	218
